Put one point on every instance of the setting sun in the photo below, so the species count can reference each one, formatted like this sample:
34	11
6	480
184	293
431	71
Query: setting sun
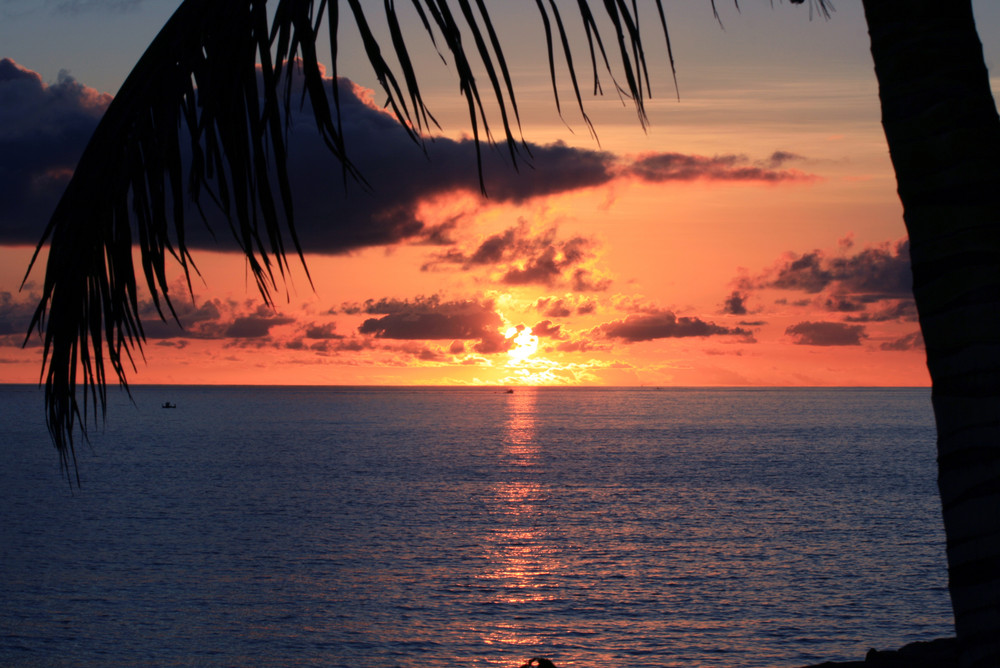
524	343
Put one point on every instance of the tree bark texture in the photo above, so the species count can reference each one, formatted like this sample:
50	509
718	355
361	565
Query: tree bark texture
943	132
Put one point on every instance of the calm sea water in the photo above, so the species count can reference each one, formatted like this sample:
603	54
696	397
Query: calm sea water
469	527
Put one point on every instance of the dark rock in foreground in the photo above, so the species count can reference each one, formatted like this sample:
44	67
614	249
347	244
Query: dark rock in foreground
941	653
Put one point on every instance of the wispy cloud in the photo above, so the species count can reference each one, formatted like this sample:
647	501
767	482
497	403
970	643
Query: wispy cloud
912	341
519	256
662	167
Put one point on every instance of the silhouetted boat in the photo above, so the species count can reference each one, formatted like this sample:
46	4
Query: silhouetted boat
510	391
167	404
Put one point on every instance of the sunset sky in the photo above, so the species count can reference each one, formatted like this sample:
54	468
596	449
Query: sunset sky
752	236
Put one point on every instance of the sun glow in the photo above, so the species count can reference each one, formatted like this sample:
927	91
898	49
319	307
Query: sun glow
524	344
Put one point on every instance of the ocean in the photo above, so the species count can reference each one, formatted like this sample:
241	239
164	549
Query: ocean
433	527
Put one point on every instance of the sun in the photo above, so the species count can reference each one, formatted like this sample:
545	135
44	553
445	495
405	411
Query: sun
524	343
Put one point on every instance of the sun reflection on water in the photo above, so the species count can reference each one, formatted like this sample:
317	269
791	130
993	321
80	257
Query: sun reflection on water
519	446
521	559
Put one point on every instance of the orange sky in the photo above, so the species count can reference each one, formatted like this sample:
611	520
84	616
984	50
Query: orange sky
751	237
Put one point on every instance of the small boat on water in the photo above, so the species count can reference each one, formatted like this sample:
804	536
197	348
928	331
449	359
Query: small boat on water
167	404
510	391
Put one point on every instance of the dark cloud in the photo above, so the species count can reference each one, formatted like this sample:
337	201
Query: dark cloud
903	309
428	355
323	331
585	280
803	273
43	129
660	167
425	326
330	346
386	306
14	318
256	326
553	307
14	315
779	158
735	304
563	307
523	257
878	272
662	325
433	319
543	269
351	345
204	321
844	304
179	344
46	127
347	308
493	342
873	284
546	330
914	341
826	334
212	319
796	302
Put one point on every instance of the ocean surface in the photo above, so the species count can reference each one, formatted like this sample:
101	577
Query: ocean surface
378	527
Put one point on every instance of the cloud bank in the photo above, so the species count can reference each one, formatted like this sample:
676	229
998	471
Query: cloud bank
45	128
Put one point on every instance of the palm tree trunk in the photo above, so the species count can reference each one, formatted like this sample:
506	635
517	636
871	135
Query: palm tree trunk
943	131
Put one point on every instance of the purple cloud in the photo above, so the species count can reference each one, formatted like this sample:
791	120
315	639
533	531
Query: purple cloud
913	341
43	130
826	334
662	325
661	167
433	319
